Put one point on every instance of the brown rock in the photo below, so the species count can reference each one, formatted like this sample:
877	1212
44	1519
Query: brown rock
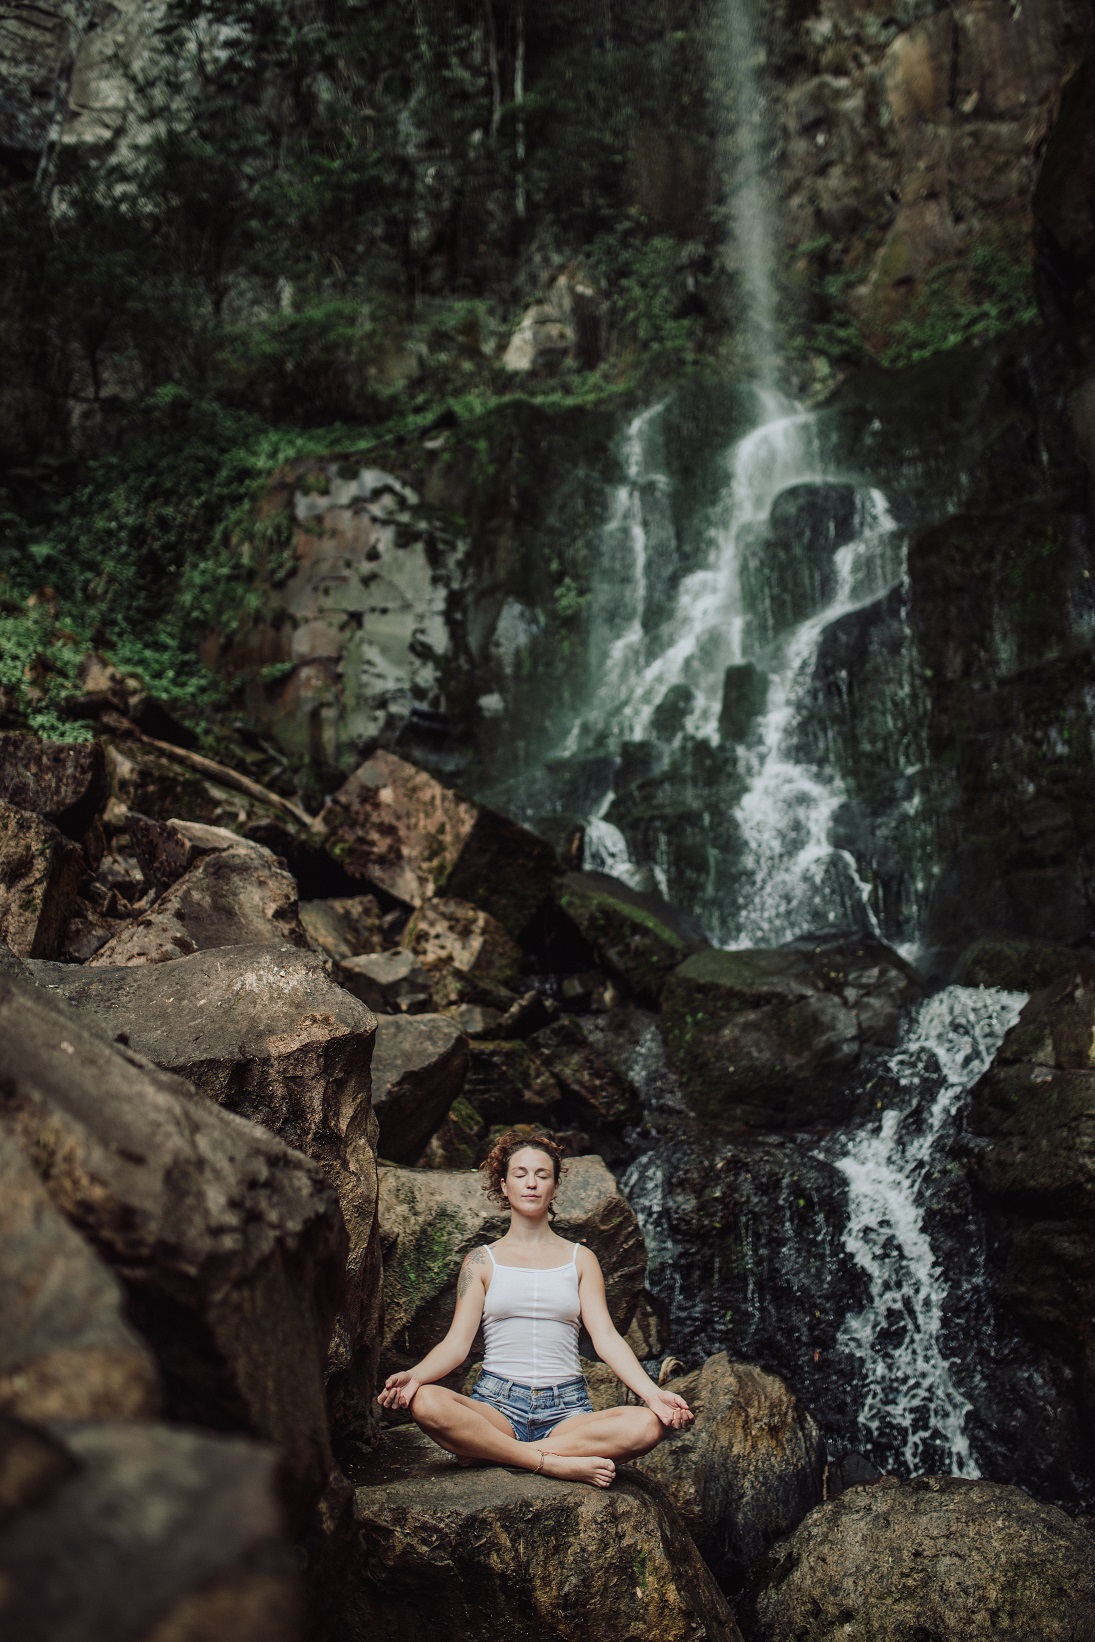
448	931
509	1083
388	982
478	1554
431	1218
459	1142
62	781
230	1245
344	927
639	937
419	1066
39	873
397	826
146	1533
66	1349
747	1471
594	1091
234	894
266	1033
941	1557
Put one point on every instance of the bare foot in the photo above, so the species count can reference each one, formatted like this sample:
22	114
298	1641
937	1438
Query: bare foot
567	1468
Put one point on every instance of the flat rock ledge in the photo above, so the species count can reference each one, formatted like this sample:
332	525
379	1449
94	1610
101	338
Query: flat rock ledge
473	1554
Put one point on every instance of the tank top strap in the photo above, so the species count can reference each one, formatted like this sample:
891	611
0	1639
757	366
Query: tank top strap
492	1259
574	1256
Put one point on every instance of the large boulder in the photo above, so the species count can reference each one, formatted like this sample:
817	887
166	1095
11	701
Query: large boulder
231	893
343	926
449	931
67	1350
1032	1119
266	1033
593	1090
62	781
142	1533
419	1066
766	1038
231	1245
431	1218
398	827
937	1557
638	936
747	1471
478	1554
39	874
509	1083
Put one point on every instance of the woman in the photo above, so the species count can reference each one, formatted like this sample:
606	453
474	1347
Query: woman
530	1407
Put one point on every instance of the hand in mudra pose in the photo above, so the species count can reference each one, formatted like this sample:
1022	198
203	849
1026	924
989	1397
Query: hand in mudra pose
531	1291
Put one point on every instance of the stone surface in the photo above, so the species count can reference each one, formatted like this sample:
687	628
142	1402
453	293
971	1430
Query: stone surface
419	1066
63	781
66	1348
230	1245
482	1553
766	1038
146	1533
39	874
509	1083
593	1091
568	325
36	59
266	1033
747	1471
431	1218
1032	1119
390	982
343	926
400	828
452	932
640	937
235	894
936	1557
1017	965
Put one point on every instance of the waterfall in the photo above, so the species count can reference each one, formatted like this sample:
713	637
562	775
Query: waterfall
913	1403
744	143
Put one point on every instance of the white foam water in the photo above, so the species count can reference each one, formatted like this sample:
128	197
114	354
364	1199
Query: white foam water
897	1339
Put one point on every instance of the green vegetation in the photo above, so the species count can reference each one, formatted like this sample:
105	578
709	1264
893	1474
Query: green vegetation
968	301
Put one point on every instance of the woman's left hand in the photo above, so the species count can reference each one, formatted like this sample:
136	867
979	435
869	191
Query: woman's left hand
672	1410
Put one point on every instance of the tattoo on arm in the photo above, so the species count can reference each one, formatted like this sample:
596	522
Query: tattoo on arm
475	1258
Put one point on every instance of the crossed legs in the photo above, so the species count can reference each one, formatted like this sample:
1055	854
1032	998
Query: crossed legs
583	1448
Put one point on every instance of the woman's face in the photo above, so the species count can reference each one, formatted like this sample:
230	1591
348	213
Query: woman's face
529	1185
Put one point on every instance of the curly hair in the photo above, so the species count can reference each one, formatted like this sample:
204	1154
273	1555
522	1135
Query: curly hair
496	1163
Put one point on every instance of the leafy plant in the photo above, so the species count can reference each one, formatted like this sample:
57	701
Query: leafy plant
968	301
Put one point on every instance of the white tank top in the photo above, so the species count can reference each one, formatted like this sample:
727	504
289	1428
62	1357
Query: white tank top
530	1323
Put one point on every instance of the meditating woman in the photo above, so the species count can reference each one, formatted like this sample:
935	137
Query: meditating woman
530	1406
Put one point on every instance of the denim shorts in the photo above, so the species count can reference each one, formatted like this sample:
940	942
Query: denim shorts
532	1411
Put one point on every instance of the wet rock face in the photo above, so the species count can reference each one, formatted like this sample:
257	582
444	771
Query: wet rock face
431	1218
266	1033
230	1245
767	1038
749	1468
486	1552
936	1557
1032	1119
789	571
143	1532
66	1349
39	873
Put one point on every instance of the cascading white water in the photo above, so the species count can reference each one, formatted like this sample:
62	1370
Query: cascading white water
897	1339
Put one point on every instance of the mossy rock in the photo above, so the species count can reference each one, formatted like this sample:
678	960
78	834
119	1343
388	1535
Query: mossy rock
1019	966
640	937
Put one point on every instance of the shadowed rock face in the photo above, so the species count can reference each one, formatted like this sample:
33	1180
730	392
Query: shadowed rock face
747	1471
39	872
419	1066
431	1218
478	1554
266	1033
62	781
142	1532
231	1246
640	937
767	1038
66	1349
1032	1117
937	1557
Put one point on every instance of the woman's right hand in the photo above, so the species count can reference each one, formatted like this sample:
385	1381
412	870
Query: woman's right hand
399	1390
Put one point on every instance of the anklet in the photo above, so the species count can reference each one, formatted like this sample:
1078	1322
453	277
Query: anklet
540	1467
